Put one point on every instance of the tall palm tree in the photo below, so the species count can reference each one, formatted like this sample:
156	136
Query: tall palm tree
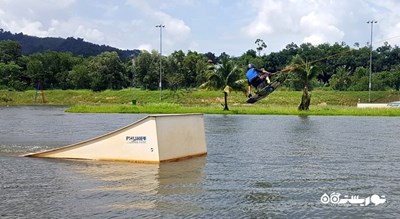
304	72
224	76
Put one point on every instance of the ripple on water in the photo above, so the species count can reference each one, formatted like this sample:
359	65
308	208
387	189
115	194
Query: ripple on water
256	167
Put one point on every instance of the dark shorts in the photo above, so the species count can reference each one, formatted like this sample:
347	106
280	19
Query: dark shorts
259	81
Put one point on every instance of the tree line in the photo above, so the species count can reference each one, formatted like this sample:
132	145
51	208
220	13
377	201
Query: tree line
341	68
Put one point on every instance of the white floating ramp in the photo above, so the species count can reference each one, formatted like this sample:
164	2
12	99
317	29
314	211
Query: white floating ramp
153	139
372	105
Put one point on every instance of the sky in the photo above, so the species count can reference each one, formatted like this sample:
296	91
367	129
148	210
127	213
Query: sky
230	26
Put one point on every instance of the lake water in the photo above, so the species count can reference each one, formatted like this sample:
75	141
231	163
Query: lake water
256	167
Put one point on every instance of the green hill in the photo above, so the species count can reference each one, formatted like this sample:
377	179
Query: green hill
32	44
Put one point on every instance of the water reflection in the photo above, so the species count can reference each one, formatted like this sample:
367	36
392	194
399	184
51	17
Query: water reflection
256	167
304	131
132	186
50	127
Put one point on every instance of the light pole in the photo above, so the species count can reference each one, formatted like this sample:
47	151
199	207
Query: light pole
372	22
161	27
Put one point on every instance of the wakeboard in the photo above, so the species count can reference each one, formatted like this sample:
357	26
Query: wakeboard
263	93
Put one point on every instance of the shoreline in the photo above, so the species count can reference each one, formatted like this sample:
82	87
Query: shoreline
274	110
240	110
323	103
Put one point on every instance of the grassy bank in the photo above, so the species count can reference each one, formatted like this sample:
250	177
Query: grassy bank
250	110
199	101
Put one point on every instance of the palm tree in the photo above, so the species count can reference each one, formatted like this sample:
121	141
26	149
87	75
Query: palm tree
224	76
304	72
342	79
260	45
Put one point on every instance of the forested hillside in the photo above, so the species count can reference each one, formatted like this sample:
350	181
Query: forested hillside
32	44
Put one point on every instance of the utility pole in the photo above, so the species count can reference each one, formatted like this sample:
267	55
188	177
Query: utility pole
372	22
160	84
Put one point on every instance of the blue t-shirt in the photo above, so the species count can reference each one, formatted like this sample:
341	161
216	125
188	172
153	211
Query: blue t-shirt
251	74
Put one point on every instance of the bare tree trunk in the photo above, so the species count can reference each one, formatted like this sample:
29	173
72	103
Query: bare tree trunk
305	99
226	101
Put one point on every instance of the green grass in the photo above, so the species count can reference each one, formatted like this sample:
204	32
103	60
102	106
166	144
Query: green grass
253	110
208	102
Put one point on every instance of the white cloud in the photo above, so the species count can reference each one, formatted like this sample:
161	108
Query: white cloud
34	9
176	32
176	29
90	34
263	18
320	28
33	28
137	23
31	17
315	39
388	26
25	26
146	47
315	21
208	25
